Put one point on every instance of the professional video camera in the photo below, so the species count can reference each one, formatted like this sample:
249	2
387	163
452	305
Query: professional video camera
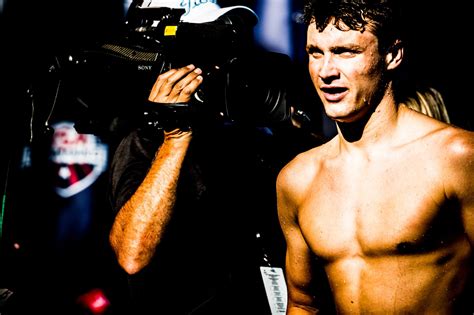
242	83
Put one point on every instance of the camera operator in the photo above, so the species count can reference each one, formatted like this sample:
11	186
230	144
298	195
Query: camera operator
147	205
188	204
190	198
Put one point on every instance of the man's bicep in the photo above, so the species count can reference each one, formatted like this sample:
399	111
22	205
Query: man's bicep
299	270
308	285
467	205
302	270
461	180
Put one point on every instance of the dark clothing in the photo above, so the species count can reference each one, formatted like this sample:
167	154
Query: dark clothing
207	262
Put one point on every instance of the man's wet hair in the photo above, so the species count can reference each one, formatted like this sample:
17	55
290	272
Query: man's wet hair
381	17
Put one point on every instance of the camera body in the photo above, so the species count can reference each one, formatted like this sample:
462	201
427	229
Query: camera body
242	83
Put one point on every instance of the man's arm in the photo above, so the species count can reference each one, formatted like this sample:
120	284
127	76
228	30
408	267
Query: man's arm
298	265
460	175
139	225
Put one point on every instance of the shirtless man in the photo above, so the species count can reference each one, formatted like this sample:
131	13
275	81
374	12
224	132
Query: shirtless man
385	208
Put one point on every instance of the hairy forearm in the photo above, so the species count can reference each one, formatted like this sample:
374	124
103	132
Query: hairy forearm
140	223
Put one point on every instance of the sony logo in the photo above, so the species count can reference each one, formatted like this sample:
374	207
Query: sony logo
144	67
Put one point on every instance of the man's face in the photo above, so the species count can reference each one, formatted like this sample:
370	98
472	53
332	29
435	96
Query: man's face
346	68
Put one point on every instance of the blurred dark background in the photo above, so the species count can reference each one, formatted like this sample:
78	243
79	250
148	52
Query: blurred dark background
54	251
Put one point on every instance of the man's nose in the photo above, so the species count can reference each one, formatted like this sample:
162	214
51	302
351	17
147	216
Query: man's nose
328	68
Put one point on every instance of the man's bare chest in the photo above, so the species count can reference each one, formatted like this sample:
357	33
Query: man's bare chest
383	211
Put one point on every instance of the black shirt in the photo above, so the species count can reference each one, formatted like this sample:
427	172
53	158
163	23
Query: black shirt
207	262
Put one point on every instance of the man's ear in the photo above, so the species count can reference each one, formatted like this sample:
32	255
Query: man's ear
394	56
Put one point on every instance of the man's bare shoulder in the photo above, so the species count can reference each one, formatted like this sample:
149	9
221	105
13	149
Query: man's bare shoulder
448	151
296	177
457	151
448	138
304	167
453	142
460	141
458	166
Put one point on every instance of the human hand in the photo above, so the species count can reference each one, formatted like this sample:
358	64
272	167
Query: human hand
176	85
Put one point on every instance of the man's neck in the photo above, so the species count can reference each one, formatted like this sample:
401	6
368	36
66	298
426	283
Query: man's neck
375	128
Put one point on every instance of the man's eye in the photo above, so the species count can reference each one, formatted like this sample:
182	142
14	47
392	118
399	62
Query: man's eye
316	55
345	53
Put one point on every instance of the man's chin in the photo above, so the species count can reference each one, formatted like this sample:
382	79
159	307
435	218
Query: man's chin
341	117
344	116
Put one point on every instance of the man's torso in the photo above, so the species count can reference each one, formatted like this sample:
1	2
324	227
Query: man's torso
391	240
